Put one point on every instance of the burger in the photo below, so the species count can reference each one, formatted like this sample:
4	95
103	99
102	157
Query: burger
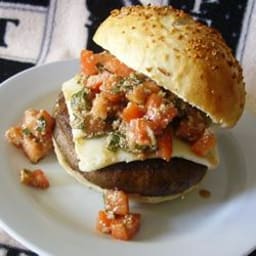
140	116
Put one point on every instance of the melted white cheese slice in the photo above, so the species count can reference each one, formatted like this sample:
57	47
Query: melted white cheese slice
93	154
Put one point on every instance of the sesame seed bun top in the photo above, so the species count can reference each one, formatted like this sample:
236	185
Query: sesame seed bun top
181	55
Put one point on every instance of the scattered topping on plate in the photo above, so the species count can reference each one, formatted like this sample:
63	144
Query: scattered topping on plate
36	178
116	219
116	201
34	135
204	193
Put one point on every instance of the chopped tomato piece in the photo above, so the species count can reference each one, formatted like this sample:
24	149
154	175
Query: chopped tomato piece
34	136
36	178
33	149
14	135
160	120
154	101
166	116
96	81
103	222
158	113
45	123
140	132
88	63
140	93
100	107
108	90
151	87
116	201
202	146
113	97
132	111
137	95
38	122
165	145
116	219
125	227
113	65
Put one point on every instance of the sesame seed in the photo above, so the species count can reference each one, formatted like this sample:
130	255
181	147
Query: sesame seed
214	52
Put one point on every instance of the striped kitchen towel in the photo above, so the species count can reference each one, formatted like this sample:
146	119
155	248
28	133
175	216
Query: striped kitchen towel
33	32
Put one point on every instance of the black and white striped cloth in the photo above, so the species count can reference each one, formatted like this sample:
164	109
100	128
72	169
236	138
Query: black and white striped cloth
33	32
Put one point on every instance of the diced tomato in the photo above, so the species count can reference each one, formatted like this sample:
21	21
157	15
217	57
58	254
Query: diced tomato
137	95
107	89
154	101
36	178
132	111
125	227
116	219
116	201
38	122
140	93
202	146
48	120
113	97
151	87
33	149
159	114
140	132
100	107
96	81
30	121
164	143
103	222
165	116
113	65
88	63
34	136
14	135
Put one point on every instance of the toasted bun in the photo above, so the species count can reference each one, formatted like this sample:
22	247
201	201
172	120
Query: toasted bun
180	54
79	177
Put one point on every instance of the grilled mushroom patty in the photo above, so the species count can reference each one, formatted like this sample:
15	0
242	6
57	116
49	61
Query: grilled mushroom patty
152	177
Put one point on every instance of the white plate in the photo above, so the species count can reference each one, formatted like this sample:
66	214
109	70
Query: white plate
61	220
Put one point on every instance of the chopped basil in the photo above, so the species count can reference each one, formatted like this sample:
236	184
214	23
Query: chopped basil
41	124
26	131
141	148
127	83
79	101
78	122
114	141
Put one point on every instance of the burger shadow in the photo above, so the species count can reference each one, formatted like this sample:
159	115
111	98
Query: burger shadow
193	213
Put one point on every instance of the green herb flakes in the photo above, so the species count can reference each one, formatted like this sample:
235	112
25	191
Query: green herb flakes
41	124
79	101
26	131
113	141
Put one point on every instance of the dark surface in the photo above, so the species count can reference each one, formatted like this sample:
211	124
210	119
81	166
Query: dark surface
13	251
44	3
152	177
225	16
9	68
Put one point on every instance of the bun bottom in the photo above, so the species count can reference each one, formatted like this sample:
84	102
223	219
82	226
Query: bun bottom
137	197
